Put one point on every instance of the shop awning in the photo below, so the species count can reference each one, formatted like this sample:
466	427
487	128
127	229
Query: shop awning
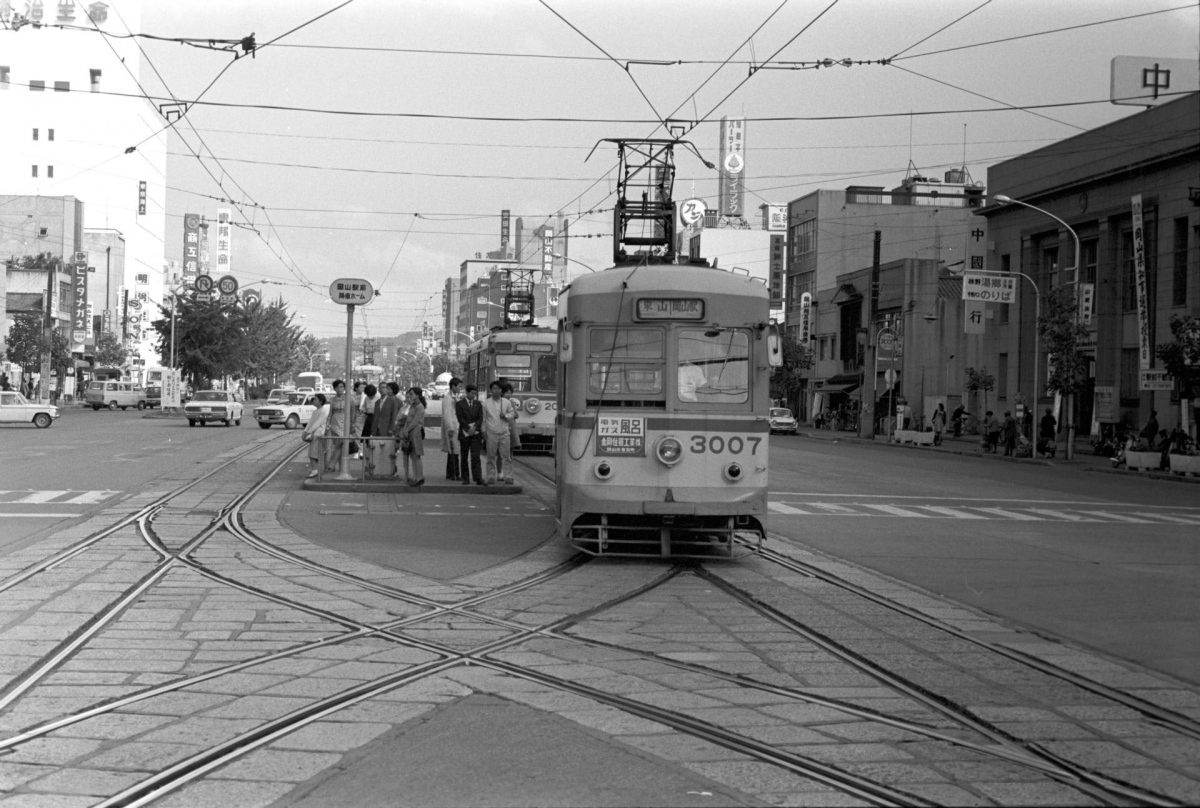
835	388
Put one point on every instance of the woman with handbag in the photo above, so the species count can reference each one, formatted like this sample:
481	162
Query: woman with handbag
412	437
315	428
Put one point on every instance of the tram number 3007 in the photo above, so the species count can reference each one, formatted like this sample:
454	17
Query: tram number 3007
718	444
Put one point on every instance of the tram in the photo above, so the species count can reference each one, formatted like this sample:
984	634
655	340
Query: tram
663	436
526	358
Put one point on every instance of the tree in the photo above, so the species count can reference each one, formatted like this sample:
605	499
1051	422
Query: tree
25	341
444	364
1060	336
978	380
1181	359
110	353
209	340
787	379
271	340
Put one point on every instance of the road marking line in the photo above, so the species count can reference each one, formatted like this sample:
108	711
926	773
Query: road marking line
838	509
1063	516
37	498
1116	517
1173	519
88	498
1020	517
952	512
787	510
62	515
894	511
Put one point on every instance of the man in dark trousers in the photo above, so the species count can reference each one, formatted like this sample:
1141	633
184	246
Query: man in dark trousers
1150	433
470	434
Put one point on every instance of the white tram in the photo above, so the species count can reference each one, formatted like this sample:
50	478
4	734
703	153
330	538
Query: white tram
663	435
526	358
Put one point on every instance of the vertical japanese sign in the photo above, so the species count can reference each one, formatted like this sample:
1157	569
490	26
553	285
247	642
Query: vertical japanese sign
142	198
1087	300
1139	276
191	247
776	276
548	251
733	166
224	241
79	311
504	220
972	317
805	319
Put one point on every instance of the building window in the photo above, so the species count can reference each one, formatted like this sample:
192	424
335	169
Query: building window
1130	379
37	85
64	295
1090	256
803	238
1002	377
1050	265
62	86
50	172
821	348
1179	276
95	75
35	171
49	134
35	134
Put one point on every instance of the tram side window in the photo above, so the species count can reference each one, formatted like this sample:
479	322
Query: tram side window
625	362
713	369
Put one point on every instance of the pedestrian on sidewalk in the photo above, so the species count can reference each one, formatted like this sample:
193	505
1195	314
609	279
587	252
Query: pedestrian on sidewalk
370	402
939	423
450	429
412	437
384	426
337	425
356	418
316	428
1046	433
1150	432
469	412
991	431
1010	434
957	420
497	415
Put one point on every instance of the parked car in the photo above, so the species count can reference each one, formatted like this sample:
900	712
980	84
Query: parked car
279	395
293	412
214	405
781	421
16	409
154	396
113	394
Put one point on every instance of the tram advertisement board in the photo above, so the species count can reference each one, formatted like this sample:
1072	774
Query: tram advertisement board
620	436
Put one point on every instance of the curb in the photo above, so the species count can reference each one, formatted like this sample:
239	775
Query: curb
399	487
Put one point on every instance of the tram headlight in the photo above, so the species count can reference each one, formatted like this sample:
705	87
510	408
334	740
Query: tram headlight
668	450
603	470
533	405
732	472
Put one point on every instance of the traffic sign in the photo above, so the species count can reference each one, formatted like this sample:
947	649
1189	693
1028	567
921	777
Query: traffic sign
228	285
204	283
889	376
351	291
887	341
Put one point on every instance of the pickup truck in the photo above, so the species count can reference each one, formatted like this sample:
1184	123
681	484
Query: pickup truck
294	411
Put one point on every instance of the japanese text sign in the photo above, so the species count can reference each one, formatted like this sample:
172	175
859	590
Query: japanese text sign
989	287
621	436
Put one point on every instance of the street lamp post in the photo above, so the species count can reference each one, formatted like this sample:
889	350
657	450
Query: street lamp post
1070	397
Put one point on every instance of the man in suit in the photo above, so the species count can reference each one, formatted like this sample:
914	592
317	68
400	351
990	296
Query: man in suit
470	434
385	419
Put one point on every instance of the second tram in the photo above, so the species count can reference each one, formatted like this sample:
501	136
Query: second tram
664	392
526	358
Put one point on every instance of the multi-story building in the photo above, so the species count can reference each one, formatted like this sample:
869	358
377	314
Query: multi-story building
1092	182
72	107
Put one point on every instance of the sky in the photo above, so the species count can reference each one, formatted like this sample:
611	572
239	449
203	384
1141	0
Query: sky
380	139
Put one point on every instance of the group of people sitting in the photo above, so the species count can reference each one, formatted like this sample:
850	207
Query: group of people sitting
468	425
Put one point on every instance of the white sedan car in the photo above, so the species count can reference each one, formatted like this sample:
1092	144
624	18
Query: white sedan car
214	405
781	421
16	409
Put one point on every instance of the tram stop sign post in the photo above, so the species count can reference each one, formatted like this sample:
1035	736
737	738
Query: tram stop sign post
349	292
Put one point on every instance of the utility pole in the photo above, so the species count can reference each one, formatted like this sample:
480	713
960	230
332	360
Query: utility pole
867	410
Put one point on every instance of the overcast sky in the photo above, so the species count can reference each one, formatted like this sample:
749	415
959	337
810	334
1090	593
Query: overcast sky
338	189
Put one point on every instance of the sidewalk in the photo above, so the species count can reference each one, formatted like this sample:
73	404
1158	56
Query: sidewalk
970	446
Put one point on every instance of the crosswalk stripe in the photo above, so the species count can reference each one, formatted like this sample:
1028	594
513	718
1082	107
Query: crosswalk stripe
1015	515
894	511
37	497
1117	517
1064	516
788	510
957	514
88	498
838	509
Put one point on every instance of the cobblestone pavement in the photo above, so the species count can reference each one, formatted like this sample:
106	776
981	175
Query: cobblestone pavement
185	648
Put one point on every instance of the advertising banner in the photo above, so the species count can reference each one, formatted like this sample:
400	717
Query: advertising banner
776	264
504	219
1155	380
774	217
1139	276
142	198
989	287
79	310
170	388
733	167
548	252
618	436
1104	404
224	240
805	319
972	317
1087	300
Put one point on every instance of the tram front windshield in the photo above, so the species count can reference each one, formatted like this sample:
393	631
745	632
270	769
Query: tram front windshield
714	367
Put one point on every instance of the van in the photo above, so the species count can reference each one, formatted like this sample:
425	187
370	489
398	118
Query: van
113	394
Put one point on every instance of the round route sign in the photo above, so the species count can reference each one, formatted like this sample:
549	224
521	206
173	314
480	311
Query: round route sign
887	342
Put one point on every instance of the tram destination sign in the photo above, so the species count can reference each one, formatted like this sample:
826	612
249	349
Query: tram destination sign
670	308
620	436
